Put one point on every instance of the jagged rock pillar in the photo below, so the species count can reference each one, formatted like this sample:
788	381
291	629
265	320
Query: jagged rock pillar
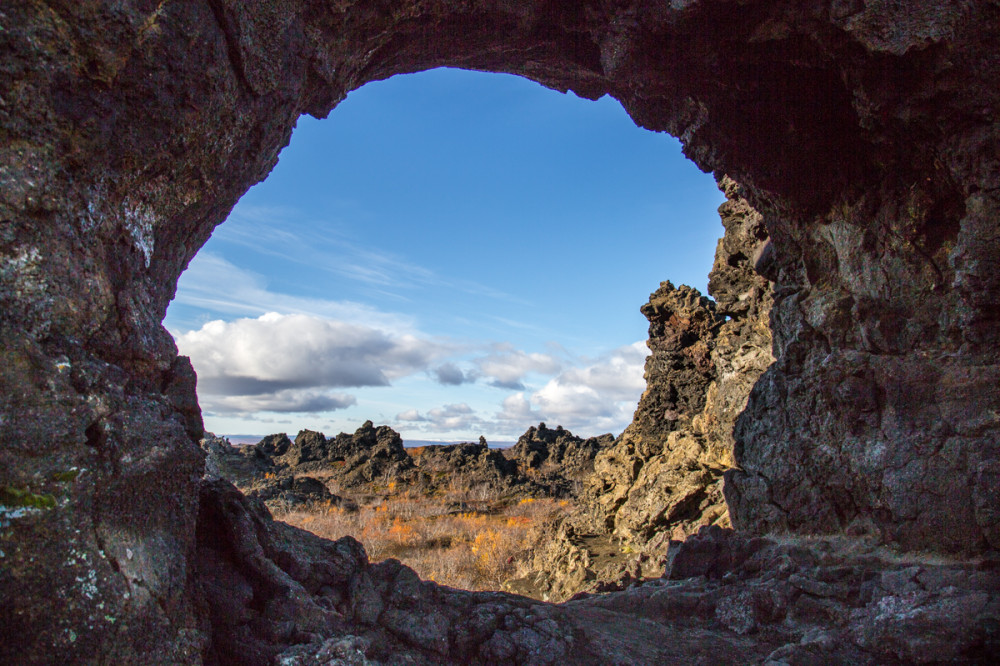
663	477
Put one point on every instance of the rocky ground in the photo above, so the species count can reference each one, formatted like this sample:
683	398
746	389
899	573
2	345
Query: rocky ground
281	595
462	514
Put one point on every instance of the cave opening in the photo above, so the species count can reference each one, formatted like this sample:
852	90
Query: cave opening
865	132
454	253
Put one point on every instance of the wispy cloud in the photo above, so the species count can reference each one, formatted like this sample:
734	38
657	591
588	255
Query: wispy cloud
287	234
212	283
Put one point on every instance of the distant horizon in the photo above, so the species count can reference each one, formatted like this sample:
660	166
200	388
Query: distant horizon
244	440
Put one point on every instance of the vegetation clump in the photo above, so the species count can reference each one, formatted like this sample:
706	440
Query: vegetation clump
24	498
455	540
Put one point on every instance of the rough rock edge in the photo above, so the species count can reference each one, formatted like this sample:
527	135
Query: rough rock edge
662	478
281	595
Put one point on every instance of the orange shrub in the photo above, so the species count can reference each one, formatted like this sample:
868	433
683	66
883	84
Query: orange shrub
470	550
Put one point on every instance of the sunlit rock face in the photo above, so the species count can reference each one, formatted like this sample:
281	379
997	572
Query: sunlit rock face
663	478
865	133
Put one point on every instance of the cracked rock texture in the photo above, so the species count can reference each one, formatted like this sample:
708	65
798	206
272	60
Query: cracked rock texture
863	131
663	477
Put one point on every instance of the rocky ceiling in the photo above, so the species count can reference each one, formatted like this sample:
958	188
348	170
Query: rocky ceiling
865	132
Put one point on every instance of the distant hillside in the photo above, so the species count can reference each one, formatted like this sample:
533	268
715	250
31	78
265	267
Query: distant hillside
414	443
243	440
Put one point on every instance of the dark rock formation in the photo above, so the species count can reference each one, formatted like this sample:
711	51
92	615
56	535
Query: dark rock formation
742	350
309	446
291	492
659	473
374	461
864	132
282	472
663	476
542	448
468	465
368	454
825	601
239	465
277	594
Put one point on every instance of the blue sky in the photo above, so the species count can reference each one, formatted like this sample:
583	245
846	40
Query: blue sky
451	253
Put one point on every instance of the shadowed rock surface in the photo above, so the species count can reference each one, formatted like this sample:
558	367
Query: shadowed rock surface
277	593
865	134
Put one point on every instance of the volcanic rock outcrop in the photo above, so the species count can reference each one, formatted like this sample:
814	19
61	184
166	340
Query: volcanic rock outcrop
864	132
543	448
663	476
475	467
277	469
373	460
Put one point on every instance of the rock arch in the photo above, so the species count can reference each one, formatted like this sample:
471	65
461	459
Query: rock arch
864	131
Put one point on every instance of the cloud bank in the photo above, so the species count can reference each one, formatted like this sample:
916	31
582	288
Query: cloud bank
291	362
306	363
507	368
592	398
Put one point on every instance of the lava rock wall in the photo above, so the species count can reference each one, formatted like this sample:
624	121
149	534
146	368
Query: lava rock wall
864	131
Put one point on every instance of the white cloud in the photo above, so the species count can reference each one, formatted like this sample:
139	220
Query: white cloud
598	397
287	400
593	398
410	415
616	377
455	417
268	363
516	409
508	367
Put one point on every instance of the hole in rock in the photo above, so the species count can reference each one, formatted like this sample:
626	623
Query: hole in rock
452	254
